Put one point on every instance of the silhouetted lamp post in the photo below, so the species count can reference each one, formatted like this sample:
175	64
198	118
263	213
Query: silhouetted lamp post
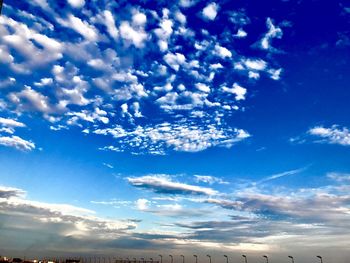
172	259
320	258
209	258
0	5
245	258
226	258
196	258
151	260
183	258
291	258
267	258
161	258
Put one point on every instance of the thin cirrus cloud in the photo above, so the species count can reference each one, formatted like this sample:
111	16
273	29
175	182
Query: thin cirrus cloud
162	184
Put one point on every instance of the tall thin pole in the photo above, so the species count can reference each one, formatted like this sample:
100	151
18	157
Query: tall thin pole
172	259
226	258
320	258
183	258
1	6
245	258
209	258
196	258
267	258
292	258
161	258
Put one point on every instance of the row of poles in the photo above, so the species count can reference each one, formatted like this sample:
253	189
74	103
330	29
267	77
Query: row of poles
143	260
151	260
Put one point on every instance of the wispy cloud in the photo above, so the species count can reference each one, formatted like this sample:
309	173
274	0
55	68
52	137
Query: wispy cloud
332	135
283	174
209	179
162	184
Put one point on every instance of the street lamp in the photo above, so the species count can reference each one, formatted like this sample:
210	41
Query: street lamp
151	260
226	258
245	258
209	258
196	258
172	259
291	258
161	258
183	258
320	258
267	258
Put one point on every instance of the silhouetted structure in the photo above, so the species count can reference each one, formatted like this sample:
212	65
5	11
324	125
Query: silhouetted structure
320	258
1	1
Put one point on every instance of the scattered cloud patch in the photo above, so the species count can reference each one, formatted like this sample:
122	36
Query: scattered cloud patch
208	179
210	11
17	143
332	135
273	32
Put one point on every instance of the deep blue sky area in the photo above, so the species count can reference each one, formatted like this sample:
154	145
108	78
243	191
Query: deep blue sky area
130	127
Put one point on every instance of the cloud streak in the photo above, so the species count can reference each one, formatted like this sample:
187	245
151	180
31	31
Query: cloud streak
163	185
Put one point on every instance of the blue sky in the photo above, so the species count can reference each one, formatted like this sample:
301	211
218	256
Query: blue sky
131	127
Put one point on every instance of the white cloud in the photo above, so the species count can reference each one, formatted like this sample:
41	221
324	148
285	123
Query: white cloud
24	40
275	73
142	204
209	179
222	52
179	137
44	82
258	64
110	24
11	123
180	17
132	35
210	11
139	19
339	177
239	91
83	28
29	99
174	60
241	33
283	174
274	32
17	142
96	116
77	3
163	184
163	33
332	135
203	87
